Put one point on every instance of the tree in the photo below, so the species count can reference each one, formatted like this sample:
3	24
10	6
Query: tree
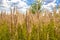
36	6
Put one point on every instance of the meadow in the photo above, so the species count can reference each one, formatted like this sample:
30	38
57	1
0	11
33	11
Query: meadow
29	26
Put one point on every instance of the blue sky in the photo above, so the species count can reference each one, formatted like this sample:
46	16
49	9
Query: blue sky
23	5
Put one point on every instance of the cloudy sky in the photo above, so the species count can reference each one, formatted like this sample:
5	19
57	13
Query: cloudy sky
22	5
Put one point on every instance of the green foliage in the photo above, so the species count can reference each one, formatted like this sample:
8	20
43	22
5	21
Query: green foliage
22	32
51	30
4	32
34	33
35	7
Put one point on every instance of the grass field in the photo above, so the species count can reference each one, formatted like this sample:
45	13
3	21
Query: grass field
30	26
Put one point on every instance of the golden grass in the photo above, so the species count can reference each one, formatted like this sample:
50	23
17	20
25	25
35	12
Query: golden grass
30	26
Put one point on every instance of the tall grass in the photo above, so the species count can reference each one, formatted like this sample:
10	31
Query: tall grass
30	26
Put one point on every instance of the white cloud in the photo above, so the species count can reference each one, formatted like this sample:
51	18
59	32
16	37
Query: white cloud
4	3
22	4
49	5
15	0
